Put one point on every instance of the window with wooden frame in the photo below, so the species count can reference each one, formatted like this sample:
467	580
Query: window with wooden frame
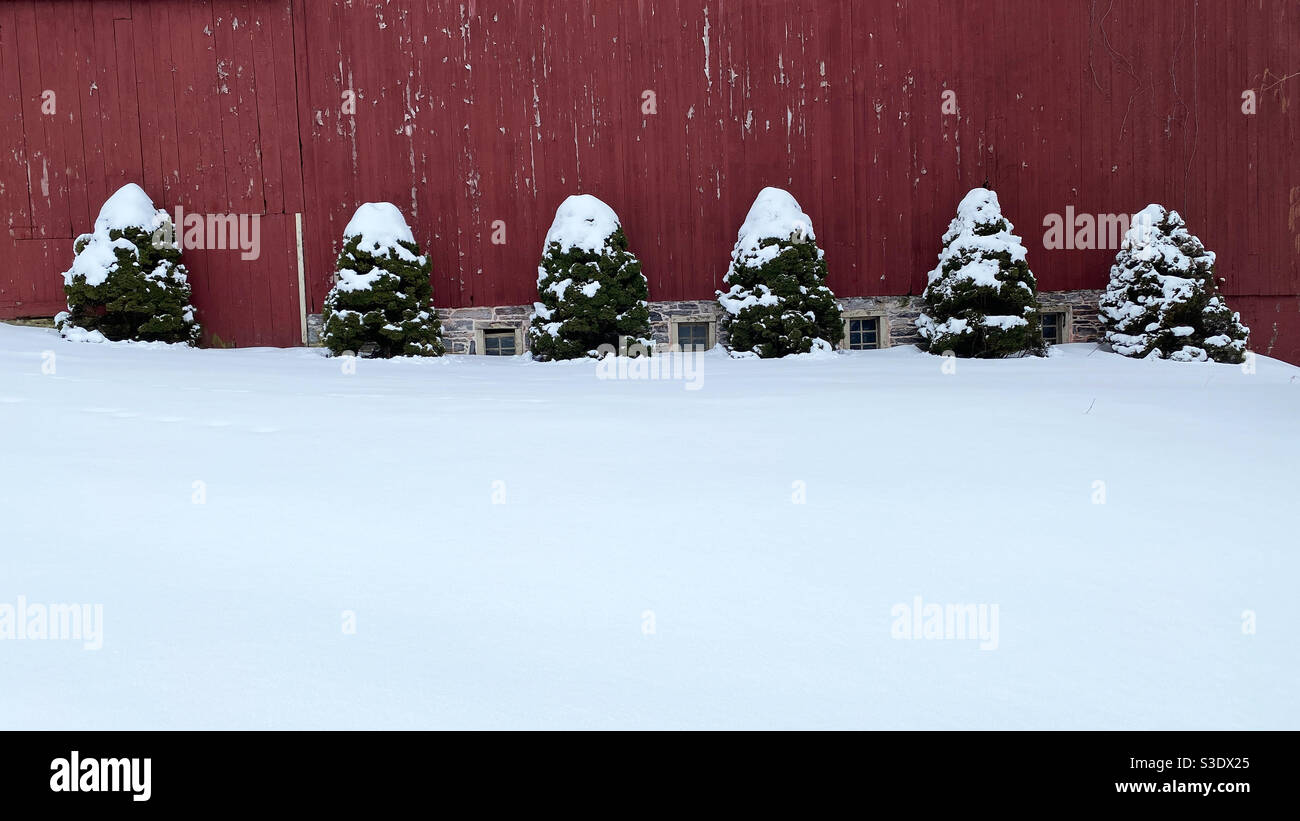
496	339
1054	328
864	331
694	333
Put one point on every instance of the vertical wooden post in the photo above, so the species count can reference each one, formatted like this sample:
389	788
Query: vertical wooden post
302	279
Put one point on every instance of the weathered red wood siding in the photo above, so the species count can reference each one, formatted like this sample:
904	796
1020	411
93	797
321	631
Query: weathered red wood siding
472	112
199	109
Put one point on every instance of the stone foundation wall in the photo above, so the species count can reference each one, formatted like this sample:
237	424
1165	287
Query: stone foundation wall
662	314
459	324
1082	310
900	312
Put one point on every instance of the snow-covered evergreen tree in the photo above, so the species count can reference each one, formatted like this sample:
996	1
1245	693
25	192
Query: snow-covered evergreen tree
1162	299
127	280
981	299
590	289
382	302
778	302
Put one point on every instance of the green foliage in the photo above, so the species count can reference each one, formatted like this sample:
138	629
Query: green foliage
982	299
569	322
1162	299
145	295
780	305
382	304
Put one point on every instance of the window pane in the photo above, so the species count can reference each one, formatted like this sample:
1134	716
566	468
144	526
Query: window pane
499	343
692	335
1052	325
863	333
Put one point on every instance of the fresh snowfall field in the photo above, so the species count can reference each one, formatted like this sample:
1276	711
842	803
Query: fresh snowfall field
526	545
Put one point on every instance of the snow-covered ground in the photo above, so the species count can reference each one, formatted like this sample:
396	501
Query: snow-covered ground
526	545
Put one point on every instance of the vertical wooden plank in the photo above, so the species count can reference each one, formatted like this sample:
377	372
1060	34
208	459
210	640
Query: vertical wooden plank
156	95
15	202
241	160
62	176
90	106
129	165
49	216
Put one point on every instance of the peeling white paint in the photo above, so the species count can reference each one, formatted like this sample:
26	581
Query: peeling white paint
707	74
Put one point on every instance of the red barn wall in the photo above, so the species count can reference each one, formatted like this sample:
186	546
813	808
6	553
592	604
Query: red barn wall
472	112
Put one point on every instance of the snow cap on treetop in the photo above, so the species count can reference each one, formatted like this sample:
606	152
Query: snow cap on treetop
1142	230
1157	232
583	222
979	207
129	207
774	214
380	225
